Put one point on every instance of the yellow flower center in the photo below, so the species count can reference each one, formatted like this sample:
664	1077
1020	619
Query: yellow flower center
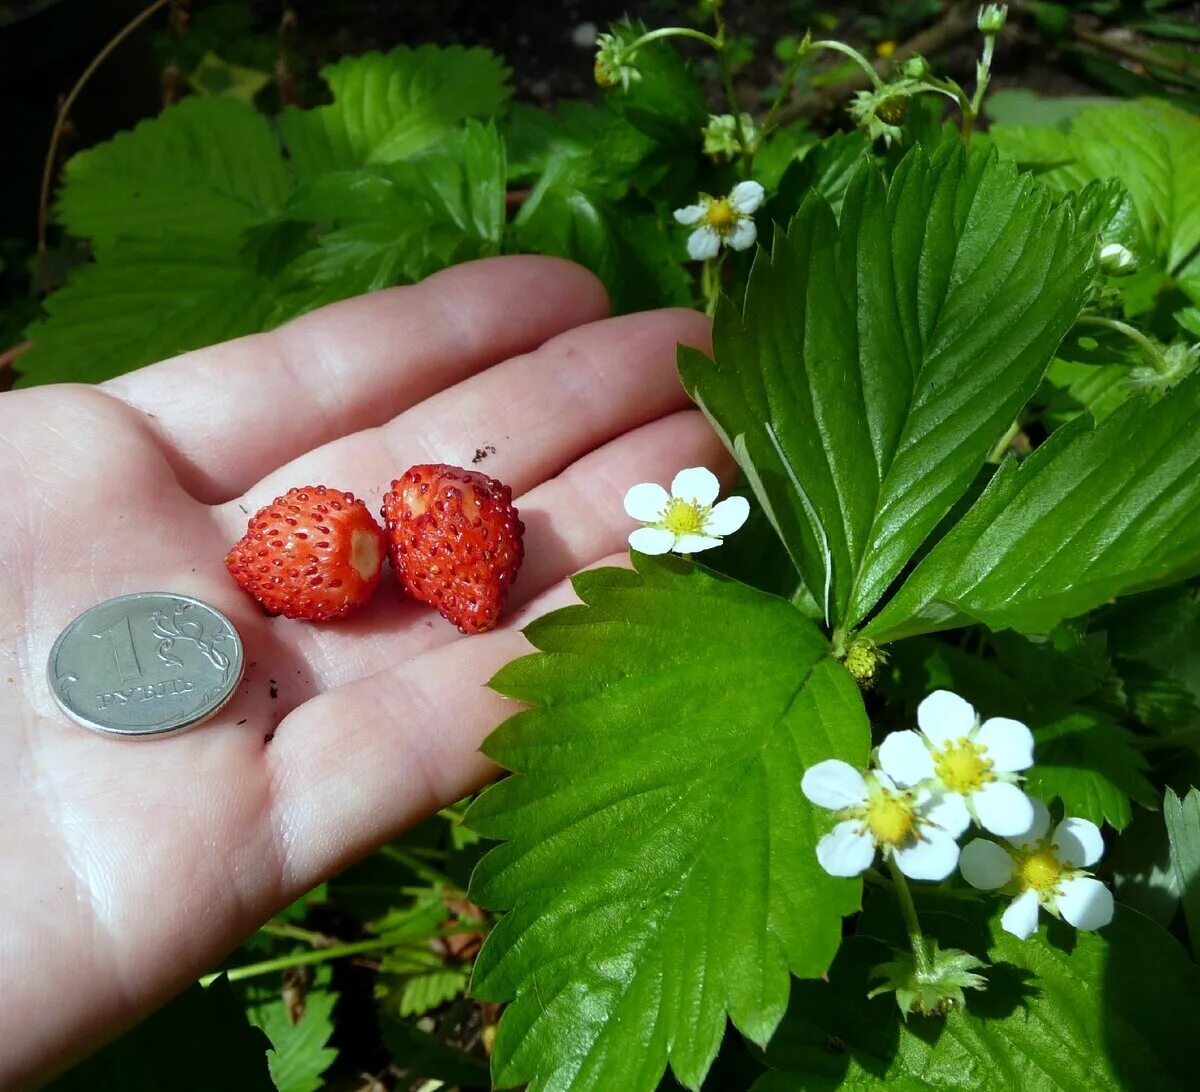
683	517
890	817
721	216
1040	870
961	767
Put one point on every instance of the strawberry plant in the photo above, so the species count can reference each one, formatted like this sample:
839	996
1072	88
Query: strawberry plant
878	772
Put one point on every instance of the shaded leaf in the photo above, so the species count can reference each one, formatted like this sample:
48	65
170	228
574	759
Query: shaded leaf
1089	762
1183	830
199	1041
1099	1011
660	859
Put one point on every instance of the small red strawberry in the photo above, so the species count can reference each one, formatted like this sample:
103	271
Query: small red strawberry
313	553
454	538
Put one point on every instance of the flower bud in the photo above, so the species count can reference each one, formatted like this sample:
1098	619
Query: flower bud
915	68
1116	260
721	143
992	18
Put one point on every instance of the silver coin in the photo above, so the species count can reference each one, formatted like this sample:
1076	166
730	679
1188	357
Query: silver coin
146	664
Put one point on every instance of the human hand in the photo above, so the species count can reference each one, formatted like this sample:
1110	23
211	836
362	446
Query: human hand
137	866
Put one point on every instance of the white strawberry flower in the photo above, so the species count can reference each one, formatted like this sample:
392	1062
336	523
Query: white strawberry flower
912	827
972	766
722	220
685	520
1046	872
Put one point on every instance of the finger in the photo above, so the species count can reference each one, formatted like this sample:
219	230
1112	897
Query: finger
357	765
570	522
231	413
521	421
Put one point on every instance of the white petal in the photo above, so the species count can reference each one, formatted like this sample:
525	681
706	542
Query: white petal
1086	903
948	811
703	243
945	717
742	236
882	778
1021	917
906	758
651	540
646	502
847	850
727	517
1003	809
696	485
746	196
834	784
693	544
985	865
1037	829
689	215
930	857
1078	841
1009	744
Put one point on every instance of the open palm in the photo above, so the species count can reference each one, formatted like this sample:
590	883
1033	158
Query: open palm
137	865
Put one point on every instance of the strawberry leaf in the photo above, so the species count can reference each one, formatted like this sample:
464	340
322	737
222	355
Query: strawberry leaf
206	168
1088	516
299	1031
388	105
1150	146
144	301
878	358
1063	1010
659	864
1091	763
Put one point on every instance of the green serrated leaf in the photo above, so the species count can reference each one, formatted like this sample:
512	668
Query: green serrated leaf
1088	516
145	301
428	990
299	1031
388	105
877	359
1106	1012
1150	146
660	864
205	169
399	222
199	1041
1089	762
625	243
1183	829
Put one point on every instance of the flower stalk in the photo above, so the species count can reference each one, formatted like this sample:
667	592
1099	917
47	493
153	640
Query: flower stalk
912	924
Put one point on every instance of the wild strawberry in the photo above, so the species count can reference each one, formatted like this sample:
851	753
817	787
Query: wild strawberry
313	553
454	538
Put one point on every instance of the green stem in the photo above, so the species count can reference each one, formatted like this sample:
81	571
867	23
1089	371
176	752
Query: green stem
1141	340
996	455
983	75
785	91
301	959
294	932
854	55
710	283
670	32
915	937
731	95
